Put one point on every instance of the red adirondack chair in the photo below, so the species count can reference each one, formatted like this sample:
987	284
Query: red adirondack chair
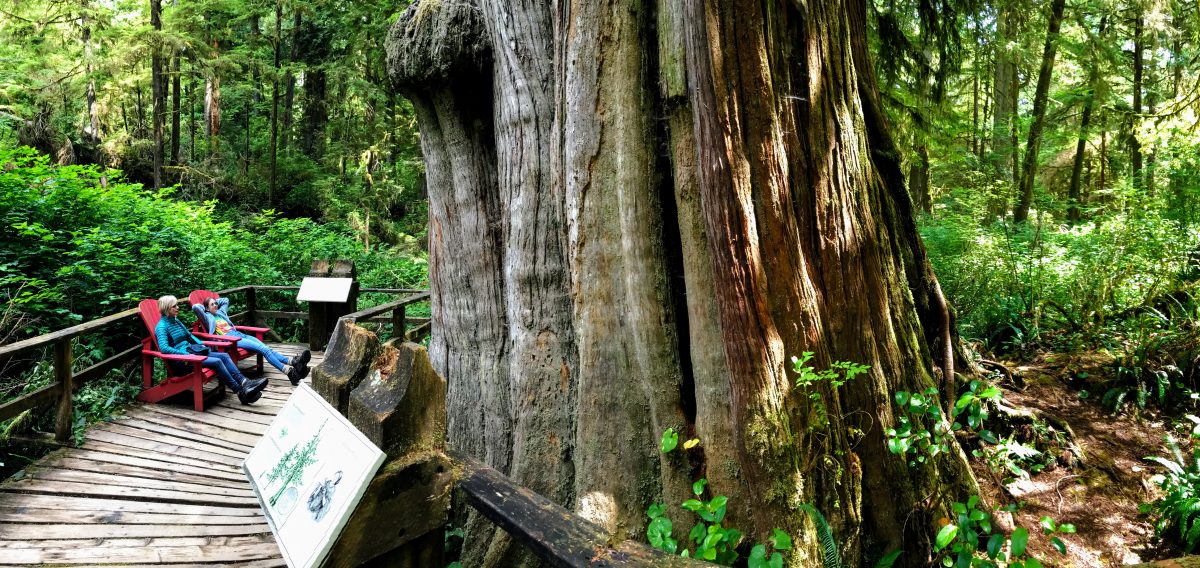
192	380
201	296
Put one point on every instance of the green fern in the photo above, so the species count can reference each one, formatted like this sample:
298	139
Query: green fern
833	559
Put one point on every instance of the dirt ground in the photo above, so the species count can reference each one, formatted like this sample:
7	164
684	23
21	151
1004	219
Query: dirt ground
1100	496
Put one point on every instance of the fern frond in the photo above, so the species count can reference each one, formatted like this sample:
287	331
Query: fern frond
833	558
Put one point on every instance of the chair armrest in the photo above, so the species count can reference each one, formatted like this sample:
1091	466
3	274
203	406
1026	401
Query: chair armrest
252	329
174	357
215	337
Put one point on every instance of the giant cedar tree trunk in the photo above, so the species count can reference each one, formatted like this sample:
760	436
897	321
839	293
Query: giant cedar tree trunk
599	273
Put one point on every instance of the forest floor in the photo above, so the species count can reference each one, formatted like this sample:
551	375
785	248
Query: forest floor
1100	495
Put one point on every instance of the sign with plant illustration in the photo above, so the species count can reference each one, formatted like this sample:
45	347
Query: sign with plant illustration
309	471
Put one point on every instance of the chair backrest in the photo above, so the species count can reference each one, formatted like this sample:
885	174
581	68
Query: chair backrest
200	297
148	308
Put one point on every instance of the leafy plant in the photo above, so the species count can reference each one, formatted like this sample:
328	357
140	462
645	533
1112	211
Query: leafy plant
968	539
712	540
921	429
829	550
1179	506
807	379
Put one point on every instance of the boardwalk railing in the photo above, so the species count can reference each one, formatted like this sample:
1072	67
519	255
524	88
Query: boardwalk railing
392	394
67	380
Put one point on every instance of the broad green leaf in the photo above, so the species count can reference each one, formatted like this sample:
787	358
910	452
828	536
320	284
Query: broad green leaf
1020	538
945	536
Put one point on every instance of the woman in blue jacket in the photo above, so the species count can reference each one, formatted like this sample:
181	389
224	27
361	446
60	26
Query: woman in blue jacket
216	320
172	336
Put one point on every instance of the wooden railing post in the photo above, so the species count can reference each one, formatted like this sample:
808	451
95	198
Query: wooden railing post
399	324
252	306
65	379
318	312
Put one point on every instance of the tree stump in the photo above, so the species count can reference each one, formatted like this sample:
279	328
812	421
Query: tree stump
347	362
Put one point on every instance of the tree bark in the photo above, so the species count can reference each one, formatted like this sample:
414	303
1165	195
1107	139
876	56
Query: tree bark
289	79
599	274
1073	192
212	106
1004	86
157	85
1135	146
1041	95
276	62
176	82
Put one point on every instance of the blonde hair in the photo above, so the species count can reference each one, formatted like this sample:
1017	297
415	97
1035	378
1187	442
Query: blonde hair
165	303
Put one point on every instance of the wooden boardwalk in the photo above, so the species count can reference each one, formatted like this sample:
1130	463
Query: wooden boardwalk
160	485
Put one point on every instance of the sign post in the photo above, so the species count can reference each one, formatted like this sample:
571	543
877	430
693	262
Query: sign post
331	292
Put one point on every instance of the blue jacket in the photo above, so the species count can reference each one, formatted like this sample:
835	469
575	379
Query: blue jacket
210	321
172	335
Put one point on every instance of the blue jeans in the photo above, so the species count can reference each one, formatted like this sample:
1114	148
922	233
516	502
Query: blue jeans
252	344
222	363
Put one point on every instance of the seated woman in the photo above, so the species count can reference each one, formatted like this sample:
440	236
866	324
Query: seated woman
172	335
216	321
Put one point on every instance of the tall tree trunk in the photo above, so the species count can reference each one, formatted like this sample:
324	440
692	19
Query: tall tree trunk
558	232
1135	146
316	114
157	84
212	106
176	82
276	62
1073	192
1004	88
289	79
93	129
191	95
1040	97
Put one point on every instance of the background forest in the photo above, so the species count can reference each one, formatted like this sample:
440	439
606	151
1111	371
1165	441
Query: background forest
1050	147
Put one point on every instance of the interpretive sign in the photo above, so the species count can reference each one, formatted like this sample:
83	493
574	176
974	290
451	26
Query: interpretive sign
309	471
318	289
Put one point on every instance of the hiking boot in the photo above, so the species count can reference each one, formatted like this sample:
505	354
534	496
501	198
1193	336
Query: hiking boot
294	373
302	359
248	396
254	385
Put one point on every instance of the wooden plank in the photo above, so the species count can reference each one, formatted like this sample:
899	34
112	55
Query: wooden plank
63	361
228	291
103	451
67	333
216	551
77	476
151	542
167	443
386	307
74	517
548	530
22	531
122	492
394	290
290	316
206	471
182	429
224	422
267	563
238	414
35	399
114	434
71	463
60	502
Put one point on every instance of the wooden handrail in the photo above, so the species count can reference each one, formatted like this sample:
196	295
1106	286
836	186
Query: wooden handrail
550	531
67	333
386	307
